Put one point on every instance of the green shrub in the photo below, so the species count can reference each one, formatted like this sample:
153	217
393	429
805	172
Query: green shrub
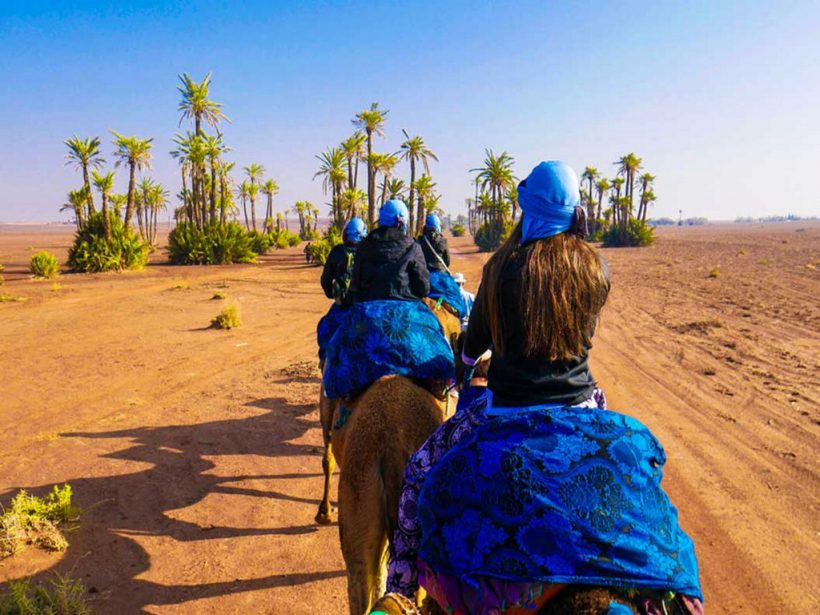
92	252
490	235
458	230
293	239
227	319
260	242
320	248
33	520
60	596
637	234
45	265
6	298
216	244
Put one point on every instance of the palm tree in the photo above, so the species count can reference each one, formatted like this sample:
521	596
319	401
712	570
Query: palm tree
76	203
497	176
254	172
395	188
415	150
385	164
213	148
602	186
353	148
244	192
85	153
158	201
225	180
104	184
372	121
136	153
332	170
628	166
590	175
645	182
300	209
196	104
425	191
269	188
352	200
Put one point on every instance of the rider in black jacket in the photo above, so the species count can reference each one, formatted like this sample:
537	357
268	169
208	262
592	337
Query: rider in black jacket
389	264
434	245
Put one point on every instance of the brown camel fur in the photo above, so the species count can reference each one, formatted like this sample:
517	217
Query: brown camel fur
385	425
451	326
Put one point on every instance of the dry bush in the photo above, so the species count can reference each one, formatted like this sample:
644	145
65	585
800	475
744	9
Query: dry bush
714	272
227	319
37	521
60	596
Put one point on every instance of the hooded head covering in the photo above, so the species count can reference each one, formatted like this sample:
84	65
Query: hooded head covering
355	231
393	213
548	197
432	223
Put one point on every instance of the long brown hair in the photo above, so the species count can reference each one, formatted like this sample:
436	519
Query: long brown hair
564	285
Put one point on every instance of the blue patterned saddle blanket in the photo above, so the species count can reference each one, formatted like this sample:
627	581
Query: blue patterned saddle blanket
381	338
557	495
444	287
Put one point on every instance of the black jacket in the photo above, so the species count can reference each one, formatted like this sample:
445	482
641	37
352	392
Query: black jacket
515	379
433	243
389	265
335	266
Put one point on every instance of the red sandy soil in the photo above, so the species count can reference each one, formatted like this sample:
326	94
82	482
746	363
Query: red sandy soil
195	453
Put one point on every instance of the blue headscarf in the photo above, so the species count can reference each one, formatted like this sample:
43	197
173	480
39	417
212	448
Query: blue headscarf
394	213
548	198
355	231
432	223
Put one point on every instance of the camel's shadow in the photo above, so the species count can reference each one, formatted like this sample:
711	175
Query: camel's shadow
102	553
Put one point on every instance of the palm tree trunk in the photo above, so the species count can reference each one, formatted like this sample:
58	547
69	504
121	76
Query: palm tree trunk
412	190
91	209
245	209
129	206
106	220
371	182
253	212
223	191
213	191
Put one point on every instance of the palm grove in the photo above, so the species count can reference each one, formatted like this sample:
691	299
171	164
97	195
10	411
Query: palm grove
117	231
616	215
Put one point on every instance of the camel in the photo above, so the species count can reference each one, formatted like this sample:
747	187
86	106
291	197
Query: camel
371	437
451	326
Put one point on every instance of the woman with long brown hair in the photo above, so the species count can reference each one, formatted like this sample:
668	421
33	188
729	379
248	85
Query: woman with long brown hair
516	497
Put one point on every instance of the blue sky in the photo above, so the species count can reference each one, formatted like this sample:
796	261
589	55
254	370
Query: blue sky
721	99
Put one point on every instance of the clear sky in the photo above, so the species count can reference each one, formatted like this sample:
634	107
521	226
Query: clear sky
721	98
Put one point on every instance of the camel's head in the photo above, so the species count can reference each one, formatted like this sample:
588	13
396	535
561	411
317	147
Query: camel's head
448	318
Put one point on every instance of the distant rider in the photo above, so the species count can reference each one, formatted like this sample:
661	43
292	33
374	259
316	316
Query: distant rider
469	298
336	278
434	245
338	269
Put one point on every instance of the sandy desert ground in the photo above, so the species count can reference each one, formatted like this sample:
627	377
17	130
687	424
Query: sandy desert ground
196	453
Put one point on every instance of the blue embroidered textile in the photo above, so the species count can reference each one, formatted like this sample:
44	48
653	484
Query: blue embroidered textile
379	338
560	495
444	287
328	325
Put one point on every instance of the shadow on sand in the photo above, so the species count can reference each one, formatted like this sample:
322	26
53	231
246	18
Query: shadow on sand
101	552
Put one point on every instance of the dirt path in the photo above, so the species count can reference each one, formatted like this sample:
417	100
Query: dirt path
195	452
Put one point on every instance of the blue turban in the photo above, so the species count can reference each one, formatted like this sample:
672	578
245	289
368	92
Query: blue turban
393	213
548	198
432	223
355	230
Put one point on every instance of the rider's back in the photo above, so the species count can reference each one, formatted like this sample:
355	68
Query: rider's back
389	265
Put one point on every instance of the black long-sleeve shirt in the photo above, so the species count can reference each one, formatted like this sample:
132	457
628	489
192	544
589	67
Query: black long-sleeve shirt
389	265
432	243
335	267
515	379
